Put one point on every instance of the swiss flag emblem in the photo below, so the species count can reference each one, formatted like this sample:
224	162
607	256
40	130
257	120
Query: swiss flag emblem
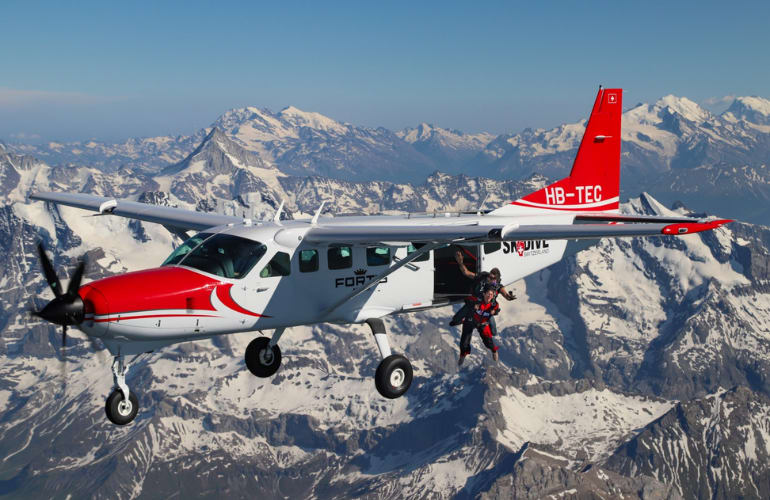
520	248
612	98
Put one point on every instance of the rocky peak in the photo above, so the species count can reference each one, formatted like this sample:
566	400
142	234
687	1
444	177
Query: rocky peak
683	107
216	154
751	109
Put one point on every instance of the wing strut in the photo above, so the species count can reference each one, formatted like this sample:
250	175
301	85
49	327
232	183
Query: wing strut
401	263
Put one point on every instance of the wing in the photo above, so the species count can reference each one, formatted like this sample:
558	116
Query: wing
507	228
173	217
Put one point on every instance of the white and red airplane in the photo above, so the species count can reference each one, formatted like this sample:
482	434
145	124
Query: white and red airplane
240	275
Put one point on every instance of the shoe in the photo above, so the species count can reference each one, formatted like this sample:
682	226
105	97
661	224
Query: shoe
460	361
495	356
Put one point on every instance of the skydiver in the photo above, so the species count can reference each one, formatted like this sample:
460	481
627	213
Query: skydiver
480	280
483	311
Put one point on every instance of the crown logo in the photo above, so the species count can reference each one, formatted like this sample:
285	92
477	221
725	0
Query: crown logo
360	272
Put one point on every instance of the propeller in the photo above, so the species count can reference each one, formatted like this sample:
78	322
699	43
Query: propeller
66	309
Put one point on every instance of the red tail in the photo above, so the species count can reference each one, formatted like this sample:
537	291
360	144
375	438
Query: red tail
594	182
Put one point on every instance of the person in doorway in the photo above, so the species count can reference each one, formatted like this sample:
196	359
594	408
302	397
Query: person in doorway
483	311
480	280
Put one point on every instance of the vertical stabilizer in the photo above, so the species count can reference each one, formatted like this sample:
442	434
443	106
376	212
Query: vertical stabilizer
594	182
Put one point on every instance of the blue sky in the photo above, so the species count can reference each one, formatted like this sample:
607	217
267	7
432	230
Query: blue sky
113	70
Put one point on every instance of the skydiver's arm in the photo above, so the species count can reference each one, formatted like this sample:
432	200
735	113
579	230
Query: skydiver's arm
463	269
505	293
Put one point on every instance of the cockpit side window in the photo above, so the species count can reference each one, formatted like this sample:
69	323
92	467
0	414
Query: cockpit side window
279	265
188	246
224	255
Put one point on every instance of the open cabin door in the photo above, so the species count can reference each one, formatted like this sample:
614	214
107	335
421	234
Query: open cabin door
449	283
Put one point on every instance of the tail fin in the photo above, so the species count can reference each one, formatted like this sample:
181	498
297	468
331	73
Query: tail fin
594	182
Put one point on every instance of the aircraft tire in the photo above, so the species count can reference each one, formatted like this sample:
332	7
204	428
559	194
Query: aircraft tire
118	412
393	376
257	360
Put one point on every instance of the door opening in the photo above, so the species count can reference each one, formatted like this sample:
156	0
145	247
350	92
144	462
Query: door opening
449	283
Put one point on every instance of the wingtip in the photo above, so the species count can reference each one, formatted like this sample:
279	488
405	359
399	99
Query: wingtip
694	227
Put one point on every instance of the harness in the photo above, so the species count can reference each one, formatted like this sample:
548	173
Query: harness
478	287
482	315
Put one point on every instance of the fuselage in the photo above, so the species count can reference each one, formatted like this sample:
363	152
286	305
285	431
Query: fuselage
256	276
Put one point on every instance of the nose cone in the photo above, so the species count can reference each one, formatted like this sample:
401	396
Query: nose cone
65	310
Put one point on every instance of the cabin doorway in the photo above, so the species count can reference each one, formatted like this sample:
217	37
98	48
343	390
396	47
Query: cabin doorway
449	283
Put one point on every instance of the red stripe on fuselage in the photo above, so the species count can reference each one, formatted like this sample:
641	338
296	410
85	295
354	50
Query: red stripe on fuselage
128	318
223	294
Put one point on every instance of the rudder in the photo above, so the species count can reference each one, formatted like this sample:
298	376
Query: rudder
594	181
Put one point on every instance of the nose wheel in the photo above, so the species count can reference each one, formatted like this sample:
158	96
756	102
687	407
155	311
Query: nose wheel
119	410
122	405
262	358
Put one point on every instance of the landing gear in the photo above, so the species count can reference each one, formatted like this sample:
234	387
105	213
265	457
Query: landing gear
122	405
393	376
394	373
263	356
120	411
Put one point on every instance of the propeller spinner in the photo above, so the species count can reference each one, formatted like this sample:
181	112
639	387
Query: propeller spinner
66	308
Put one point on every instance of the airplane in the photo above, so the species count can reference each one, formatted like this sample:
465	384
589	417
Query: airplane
241	275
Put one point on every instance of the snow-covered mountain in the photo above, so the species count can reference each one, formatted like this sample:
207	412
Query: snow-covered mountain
599	356
452	150
714	447
753	110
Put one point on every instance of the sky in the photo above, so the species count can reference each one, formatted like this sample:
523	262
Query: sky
110	70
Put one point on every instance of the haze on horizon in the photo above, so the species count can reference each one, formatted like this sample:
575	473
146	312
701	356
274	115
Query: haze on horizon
110	72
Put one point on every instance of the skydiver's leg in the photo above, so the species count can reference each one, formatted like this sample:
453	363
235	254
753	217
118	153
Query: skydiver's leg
460	314
492	325
465	341
486	337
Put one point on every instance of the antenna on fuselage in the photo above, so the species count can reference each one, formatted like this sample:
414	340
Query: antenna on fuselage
277	216
314	222
481	207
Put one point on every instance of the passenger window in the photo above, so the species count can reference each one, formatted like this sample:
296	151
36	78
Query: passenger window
378	256
340	257
492	247
278	266
308	261
413	248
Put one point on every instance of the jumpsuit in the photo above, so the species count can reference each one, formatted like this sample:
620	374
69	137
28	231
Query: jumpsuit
479	320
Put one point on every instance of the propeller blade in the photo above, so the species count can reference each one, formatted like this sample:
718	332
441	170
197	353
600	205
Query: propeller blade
77	276
48	271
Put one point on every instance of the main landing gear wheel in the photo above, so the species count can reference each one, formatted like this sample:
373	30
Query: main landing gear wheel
394	376
262	360
120	411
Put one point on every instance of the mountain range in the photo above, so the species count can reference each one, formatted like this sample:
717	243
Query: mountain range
673	148
636	367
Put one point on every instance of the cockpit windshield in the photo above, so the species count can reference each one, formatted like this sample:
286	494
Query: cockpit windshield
221	254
